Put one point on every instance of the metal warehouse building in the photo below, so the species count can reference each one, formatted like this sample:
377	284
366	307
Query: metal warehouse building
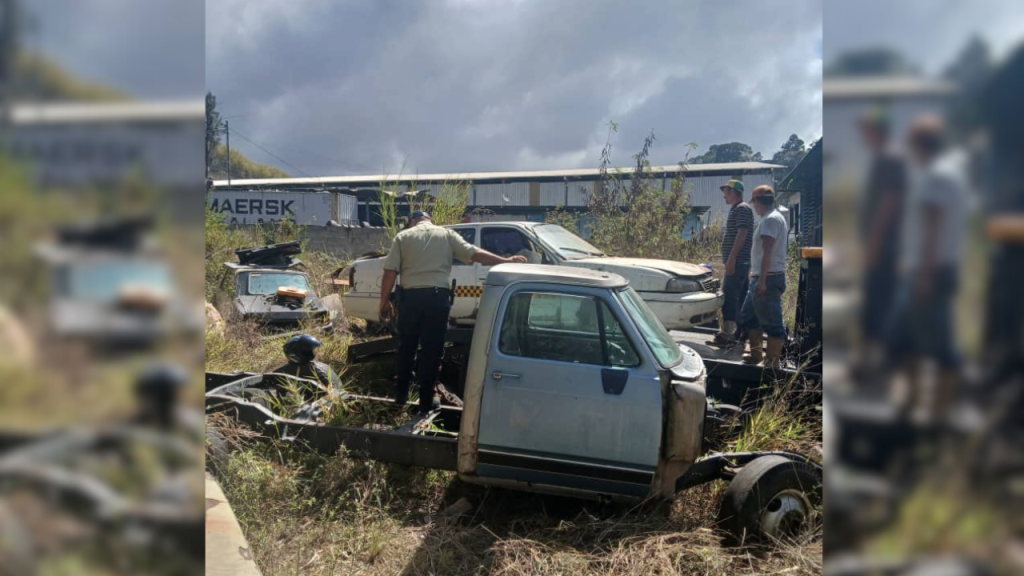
525	195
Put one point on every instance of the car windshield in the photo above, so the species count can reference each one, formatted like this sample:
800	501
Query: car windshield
664	348
567	244
269	282
105	281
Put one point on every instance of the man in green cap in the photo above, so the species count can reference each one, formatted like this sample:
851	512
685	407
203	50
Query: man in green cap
736	244
882	211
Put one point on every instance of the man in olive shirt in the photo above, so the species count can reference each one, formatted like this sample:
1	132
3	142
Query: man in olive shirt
422	255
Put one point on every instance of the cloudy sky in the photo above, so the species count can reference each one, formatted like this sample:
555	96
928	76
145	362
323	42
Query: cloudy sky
929	33
151	48
354	87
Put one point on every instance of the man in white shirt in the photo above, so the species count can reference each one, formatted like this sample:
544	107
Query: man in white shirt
762	309
933	231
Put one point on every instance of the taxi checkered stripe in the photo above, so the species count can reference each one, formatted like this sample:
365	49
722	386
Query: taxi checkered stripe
469	291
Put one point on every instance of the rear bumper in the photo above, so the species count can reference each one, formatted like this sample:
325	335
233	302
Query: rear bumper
681	311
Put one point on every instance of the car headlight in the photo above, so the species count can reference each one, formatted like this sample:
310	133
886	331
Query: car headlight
683	285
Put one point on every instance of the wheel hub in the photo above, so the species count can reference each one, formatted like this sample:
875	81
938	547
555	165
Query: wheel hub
786	515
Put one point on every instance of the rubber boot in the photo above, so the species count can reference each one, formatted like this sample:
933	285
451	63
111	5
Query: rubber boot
756	338
773	356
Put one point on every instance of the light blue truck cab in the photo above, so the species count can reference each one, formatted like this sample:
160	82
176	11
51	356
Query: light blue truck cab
574	387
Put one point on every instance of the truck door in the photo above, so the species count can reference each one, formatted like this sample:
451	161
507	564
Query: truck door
468	288
568	398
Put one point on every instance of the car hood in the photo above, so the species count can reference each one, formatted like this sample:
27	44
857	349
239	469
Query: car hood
621	265
261	305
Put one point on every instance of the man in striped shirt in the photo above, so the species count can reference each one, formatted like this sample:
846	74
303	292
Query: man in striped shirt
736	244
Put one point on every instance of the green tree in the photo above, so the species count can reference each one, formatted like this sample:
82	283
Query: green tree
728	152
790	153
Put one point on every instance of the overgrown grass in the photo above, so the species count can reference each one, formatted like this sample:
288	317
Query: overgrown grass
309	514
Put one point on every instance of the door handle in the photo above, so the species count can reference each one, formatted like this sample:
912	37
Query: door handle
499	375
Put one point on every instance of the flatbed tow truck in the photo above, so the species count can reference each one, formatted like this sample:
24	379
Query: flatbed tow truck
567	385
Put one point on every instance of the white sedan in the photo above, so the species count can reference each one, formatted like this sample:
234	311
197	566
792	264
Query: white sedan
681	295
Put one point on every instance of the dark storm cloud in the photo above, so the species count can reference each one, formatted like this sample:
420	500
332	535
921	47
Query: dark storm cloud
356	87
929	33
151	49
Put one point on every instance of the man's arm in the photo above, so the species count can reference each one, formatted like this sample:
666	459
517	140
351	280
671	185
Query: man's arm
887	212
486	258
387	284
932	223
392	264
767	242
741	237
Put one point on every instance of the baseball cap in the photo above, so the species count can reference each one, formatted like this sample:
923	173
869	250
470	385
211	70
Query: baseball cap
736	185
763	191
417	214
876	116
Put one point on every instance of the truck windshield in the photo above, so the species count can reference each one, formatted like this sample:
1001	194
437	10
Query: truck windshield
664	348
268	283
567	244
104	281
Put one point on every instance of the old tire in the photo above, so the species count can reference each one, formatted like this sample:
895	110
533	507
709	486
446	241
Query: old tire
17	554
771	499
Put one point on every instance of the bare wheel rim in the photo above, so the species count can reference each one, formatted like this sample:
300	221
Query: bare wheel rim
786	515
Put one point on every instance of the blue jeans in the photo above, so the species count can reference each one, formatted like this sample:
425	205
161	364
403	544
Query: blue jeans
765	312
924	328
734	291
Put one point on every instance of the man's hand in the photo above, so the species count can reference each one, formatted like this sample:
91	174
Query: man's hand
514	259
387	311
730	267
762	287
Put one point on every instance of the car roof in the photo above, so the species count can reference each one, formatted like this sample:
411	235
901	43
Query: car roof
505	274
497	223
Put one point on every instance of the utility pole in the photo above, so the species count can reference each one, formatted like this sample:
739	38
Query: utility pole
227	130
8	53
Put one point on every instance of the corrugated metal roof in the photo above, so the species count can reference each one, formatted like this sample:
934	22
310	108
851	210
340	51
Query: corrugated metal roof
478	176
885	86
83	112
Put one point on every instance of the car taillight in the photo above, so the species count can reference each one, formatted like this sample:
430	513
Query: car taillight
352	278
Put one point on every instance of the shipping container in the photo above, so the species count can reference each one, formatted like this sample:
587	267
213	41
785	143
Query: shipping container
348	210
258	207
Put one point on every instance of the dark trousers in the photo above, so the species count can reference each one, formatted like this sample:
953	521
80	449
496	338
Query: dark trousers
880	286
734	290
422	322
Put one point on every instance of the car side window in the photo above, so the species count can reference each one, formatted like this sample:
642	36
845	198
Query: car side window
566	328
503	241
469	235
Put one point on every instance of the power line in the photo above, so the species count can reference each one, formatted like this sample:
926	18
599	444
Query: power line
246	138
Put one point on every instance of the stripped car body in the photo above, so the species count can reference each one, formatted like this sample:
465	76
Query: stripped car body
572	388
681	295
271	289
111	285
